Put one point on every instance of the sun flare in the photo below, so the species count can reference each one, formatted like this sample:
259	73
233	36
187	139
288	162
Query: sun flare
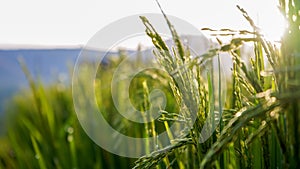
268	18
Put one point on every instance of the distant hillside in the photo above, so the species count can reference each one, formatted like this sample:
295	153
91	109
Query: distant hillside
47	65
43	63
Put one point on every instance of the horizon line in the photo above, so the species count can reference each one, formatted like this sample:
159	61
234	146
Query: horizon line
38	46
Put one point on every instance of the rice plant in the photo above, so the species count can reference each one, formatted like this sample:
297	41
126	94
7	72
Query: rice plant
43	132
259	125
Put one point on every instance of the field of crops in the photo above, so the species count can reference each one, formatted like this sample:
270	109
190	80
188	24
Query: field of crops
249	120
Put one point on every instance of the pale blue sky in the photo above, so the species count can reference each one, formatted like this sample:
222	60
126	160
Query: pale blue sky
72	22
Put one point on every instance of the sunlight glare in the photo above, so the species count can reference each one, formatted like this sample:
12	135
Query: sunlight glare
267	17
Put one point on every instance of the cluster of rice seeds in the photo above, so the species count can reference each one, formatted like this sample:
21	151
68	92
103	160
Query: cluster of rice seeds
260	122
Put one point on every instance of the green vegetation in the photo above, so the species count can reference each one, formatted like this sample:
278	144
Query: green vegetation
43	132
255	125
259	125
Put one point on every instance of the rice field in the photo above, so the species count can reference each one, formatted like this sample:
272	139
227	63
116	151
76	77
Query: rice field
250	120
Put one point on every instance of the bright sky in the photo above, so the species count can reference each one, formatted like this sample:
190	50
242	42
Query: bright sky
74	22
